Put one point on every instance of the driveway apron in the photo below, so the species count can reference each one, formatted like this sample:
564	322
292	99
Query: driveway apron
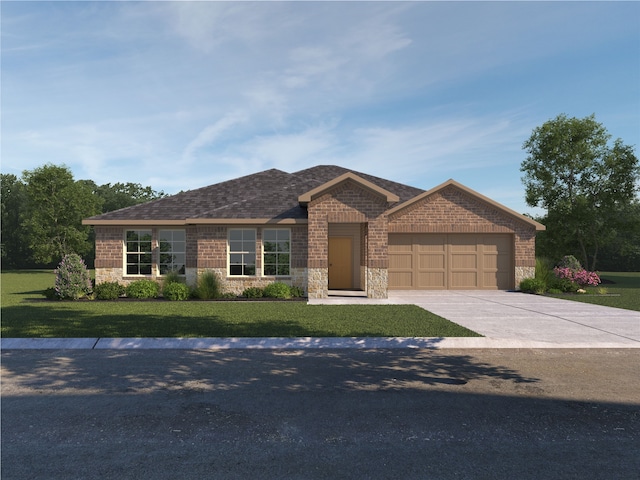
521	320
518	316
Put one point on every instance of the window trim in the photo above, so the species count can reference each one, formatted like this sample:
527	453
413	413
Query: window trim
264	230
154	252
139	253
242	252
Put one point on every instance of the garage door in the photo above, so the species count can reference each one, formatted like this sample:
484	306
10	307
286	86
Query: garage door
451	261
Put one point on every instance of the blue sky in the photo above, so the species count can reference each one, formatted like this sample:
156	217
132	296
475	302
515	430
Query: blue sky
180	95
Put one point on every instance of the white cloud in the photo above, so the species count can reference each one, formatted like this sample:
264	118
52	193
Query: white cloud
211	133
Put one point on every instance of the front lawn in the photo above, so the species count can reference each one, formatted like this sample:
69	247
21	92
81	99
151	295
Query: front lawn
25	313
623	293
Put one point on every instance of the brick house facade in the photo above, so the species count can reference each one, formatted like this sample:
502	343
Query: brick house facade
325	230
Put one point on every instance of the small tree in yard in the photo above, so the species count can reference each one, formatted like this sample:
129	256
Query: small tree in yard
72	278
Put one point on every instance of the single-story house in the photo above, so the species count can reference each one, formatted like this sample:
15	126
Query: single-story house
323	229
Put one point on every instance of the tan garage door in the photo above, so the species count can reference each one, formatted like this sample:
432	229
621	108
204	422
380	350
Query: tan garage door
450	261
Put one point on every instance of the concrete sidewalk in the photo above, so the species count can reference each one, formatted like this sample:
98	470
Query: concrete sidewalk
506	319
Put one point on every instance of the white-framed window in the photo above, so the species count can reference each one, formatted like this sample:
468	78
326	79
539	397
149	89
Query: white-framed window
139	252
172	251
242	252
276	252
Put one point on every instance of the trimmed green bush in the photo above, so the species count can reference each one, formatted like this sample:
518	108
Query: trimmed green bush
176	291
253	292
109	290
143	289
73	280
533	285
50	294
172	277
297	292
208	286
277	290
564	285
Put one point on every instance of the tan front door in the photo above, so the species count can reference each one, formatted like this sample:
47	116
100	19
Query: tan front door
340	261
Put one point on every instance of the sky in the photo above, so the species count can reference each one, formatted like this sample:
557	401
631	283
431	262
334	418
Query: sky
181	95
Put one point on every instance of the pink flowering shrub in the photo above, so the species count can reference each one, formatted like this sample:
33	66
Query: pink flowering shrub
578	276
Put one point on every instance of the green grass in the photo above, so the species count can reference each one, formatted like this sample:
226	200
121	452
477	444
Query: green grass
25	313
626	290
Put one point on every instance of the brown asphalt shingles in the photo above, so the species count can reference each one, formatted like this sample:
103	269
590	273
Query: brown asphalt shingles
268	194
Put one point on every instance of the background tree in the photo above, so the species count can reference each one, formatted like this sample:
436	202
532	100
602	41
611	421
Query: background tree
121	195
584	184
56	205
15	253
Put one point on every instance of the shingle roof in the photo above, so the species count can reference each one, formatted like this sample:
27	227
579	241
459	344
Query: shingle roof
269	194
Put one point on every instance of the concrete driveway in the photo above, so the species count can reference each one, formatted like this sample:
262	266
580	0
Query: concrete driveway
518	320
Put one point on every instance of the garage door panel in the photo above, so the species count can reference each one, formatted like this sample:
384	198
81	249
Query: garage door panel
453	261
464	280
401	280
431	261
401	261
432	280
461	260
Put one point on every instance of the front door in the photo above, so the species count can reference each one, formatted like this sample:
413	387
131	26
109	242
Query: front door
340	262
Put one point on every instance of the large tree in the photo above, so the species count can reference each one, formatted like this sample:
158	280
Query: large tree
56	205
15	253
582	181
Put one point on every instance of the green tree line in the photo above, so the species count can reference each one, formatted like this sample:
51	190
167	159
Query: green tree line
42	214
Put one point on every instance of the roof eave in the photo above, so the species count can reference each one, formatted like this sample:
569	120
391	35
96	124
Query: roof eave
197	221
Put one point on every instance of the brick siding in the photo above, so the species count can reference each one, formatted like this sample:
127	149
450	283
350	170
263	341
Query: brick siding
453	211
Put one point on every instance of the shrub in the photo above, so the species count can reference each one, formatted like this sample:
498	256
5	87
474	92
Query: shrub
253	292
109	290
176	291
208	286
72	278
533	285
172	277
297	292
564	285
143	289
277	290
570	262
51	294
580	277
544	271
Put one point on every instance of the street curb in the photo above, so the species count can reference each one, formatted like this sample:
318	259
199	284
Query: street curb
291	343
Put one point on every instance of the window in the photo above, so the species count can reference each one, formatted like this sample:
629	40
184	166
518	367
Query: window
172	251
277	252
138	252
242	252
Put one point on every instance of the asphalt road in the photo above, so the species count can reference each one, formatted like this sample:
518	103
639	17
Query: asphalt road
279	414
